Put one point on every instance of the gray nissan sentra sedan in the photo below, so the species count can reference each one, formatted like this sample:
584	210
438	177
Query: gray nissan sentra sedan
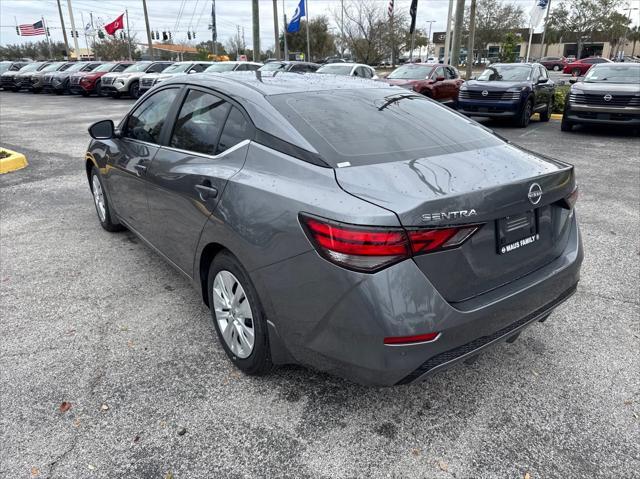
340	223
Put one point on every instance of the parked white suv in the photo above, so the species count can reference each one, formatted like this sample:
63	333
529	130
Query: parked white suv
127	82
178	68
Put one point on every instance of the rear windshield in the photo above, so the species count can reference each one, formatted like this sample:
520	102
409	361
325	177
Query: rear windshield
221	67
273	66
335	69
379	125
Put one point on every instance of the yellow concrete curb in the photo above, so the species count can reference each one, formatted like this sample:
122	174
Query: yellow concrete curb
15	161
554	116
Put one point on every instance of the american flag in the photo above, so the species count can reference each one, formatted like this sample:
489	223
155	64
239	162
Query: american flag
28	30
390	9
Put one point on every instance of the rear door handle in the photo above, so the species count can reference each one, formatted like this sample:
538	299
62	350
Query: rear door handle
207	192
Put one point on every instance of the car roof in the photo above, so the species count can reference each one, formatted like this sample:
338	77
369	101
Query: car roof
349	64
280	83
237	61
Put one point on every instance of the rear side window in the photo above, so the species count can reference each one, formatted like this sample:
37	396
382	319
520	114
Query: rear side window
451	73
120	67
199	123
236	129
146	122
197	68
391	126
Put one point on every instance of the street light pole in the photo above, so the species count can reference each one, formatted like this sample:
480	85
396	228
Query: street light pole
276	29
146	22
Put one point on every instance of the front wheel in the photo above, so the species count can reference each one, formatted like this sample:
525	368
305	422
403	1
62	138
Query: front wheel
102	203
134	90
566	125
525	116
238	316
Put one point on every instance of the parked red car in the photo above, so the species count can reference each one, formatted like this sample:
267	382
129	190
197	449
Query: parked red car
553	63
580	67
440	82
86	83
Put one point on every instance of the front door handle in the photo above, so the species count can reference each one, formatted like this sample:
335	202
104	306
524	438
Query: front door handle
141	169
207	192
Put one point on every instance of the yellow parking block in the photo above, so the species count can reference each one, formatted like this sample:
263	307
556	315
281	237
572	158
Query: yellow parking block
11	161
554	116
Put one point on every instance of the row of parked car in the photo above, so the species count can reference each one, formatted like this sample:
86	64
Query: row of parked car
132	79
609	93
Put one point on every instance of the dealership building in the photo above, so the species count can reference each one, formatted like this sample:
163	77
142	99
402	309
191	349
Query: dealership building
597	45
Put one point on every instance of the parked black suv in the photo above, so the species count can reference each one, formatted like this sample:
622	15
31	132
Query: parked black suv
609	94
509	90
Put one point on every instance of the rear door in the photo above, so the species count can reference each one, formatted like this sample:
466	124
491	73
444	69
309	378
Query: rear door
207	146
141	136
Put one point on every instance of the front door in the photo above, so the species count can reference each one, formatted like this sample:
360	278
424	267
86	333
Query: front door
188	176
129	161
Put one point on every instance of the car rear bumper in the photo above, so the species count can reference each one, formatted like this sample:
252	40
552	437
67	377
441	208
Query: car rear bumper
494	109
336	320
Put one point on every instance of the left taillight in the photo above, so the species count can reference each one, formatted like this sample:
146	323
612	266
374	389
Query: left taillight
369	249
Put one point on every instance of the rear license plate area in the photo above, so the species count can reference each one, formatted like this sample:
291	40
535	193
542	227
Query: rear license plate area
516	231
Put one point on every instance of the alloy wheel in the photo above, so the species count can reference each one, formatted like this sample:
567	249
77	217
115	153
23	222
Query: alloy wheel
98	198
233	314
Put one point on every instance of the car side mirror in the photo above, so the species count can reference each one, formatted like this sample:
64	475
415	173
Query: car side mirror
102	130
440	78
543	80
573	80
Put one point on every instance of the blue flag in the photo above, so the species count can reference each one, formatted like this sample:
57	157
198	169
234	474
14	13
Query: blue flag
294	24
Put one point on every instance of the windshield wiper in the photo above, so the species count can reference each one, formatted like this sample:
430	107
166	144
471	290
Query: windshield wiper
395	99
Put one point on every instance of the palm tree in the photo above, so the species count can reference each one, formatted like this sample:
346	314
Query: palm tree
634	36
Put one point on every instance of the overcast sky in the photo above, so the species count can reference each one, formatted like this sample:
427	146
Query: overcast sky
196	14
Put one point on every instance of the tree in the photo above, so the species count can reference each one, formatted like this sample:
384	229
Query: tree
582	18
323	42
507	50
114	48
634	36
493	18
204	49
365	30
35	50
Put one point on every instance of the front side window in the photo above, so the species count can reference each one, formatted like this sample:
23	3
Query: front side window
236	129
273	66
335	69
157	68
451	73
199	123
197	68
121	67
146	122
221	67
437	73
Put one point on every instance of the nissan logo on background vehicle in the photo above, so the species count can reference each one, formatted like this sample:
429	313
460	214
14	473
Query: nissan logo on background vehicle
607	97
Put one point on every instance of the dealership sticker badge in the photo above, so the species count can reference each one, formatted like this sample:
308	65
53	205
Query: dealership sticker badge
520	243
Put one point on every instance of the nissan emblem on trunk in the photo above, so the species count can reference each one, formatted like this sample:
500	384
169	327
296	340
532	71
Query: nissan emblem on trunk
535	193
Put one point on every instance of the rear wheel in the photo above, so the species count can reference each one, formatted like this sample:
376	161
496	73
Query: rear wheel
525	116
102	203
238	316
37	90
556	68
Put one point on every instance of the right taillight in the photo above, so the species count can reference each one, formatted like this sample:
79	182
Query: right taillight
570	201
369	249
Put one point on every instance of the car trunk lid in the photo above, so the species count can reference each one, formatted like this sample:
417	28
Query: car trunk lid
513	194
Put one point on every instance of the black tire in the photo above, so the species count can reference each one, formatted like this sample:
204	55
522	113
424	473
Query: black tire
98	88
59	92
259	360
546	114
524	118
36	90
85	93
566	125
107	222
115	94
556	68
134	90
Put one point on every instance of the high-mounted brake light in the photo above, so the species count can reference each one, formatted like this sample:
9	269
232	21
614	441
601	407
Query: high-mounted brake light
369	248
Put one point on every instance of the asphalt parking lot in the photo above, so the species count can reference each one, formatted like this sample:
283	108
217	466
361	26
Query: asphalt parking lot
100	322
